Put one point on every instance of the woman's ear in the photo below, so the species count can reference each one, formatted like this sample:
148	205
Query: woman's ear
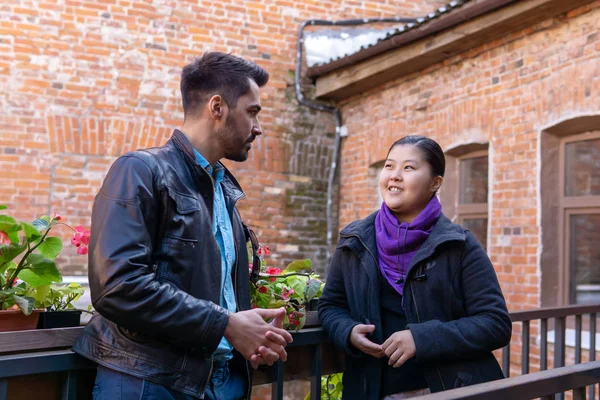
436	183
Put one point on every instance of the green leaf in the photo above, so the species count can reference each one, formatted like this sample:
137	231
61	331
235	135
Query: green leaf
50	247
6	266
263	299
3	207
14	237
31	232
41	224
296	266
39	271
24	303
298	283
312	288
8	224
274	303
11	251
42	292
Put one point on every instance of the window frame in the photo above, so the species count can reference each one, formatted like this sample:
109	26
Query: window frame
474	210
568	206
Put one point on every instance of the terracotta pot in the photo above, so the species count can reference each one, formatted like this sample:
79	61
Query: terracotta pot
15	320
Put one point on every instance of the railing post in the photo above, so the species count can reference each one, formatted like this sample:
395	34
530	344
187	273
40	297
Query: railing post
578	339
544	345
3	389
277	385
69	386
579	393
559	347
592	388
315	375
506	360
525	348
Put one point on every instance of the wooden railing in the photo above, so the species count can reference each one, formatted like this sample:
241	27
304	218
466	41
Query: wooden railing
557	316
311	355
536	385
47	351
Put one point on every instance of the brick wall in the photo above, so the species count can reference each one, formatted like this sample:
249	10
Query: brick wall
505	92
85	81
82	82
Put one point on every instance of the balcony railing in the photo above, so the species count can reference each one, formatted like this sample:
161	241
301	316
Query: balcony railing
310	356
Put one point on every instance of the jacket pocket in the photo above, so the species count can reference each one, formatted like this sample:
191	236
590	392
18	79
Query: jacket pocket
184	204
184	218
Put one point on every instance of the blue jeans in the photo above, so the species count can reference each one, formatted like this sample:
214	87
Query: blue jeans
114	385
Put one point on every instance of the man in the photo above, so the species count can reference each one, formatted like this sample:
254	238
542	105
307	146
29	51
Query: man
168	264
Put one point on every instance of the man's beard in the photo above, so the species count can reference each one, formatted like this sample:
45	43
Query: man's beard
227	137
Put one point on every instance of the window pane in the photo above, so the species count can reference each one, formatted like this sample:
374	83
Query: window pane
474	180
584	258
582	168
478	227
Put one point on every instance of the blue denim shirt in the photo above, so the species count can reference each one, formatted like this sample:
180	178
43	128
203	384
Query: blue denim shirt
223	232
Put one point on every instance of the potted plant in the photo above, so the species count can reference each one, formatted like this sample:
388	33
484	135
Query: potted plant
293	288
57	301
27	267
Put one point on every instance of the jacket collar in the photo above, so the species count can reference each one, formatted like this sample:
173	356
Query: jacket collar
231	187
364	230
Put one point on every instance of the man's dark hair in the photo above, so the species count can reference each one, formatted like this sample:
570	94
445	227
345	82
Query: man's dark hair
218	73
433	153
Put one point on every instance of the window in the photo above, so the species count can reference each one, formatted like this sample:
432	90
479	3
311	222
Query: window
472	208
579	203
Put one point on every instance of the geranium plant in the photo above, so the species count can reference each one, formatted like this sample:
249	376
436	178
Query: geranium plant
293	288
27	267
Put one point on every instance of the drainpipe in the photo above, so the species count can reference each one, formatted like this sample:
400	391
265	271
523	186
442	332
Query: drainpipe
337	113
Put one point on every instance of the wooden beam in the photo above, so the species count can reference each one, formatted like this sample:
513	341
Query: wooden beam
413	57
38	339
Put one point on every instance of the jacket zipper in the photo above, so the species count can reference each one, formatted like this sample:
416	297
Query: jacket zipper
412	292
237	300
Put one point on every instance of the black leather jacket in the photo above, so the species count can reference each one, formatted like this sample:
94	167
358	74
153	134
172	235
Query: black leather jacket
155	269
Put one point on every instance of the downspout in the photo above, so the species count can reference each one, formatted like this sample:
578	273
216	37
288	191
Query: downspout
337	113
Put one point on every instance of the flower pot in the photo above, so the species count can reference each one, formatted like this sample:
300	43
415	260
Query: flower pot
312	319
59	319
15	320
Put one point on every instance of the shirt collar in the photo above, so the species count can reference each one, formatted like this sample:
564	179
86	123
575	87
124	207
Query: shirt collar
217	171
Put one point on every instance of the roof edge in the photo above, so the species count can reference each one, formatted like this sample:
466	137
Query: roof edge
468	11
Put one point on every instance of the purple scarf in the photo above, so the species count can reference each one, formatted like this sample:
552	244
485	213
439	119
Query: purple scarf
397	242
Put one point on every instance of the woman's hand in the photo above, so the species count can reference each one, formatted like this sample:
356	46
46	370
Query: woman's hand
358	338
399	348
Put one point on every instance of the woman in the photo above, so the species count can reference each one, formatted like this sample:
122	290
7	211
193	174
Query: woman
412	298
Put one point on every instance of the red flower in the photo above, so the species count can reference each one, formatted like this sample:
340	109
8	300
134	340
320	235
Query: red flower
286	293
82	250
81	236
263	251
273	271
4	238
57	216
263	289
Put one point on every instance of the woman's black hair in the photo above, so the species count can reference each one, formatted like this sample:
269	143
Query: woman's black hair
433	153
